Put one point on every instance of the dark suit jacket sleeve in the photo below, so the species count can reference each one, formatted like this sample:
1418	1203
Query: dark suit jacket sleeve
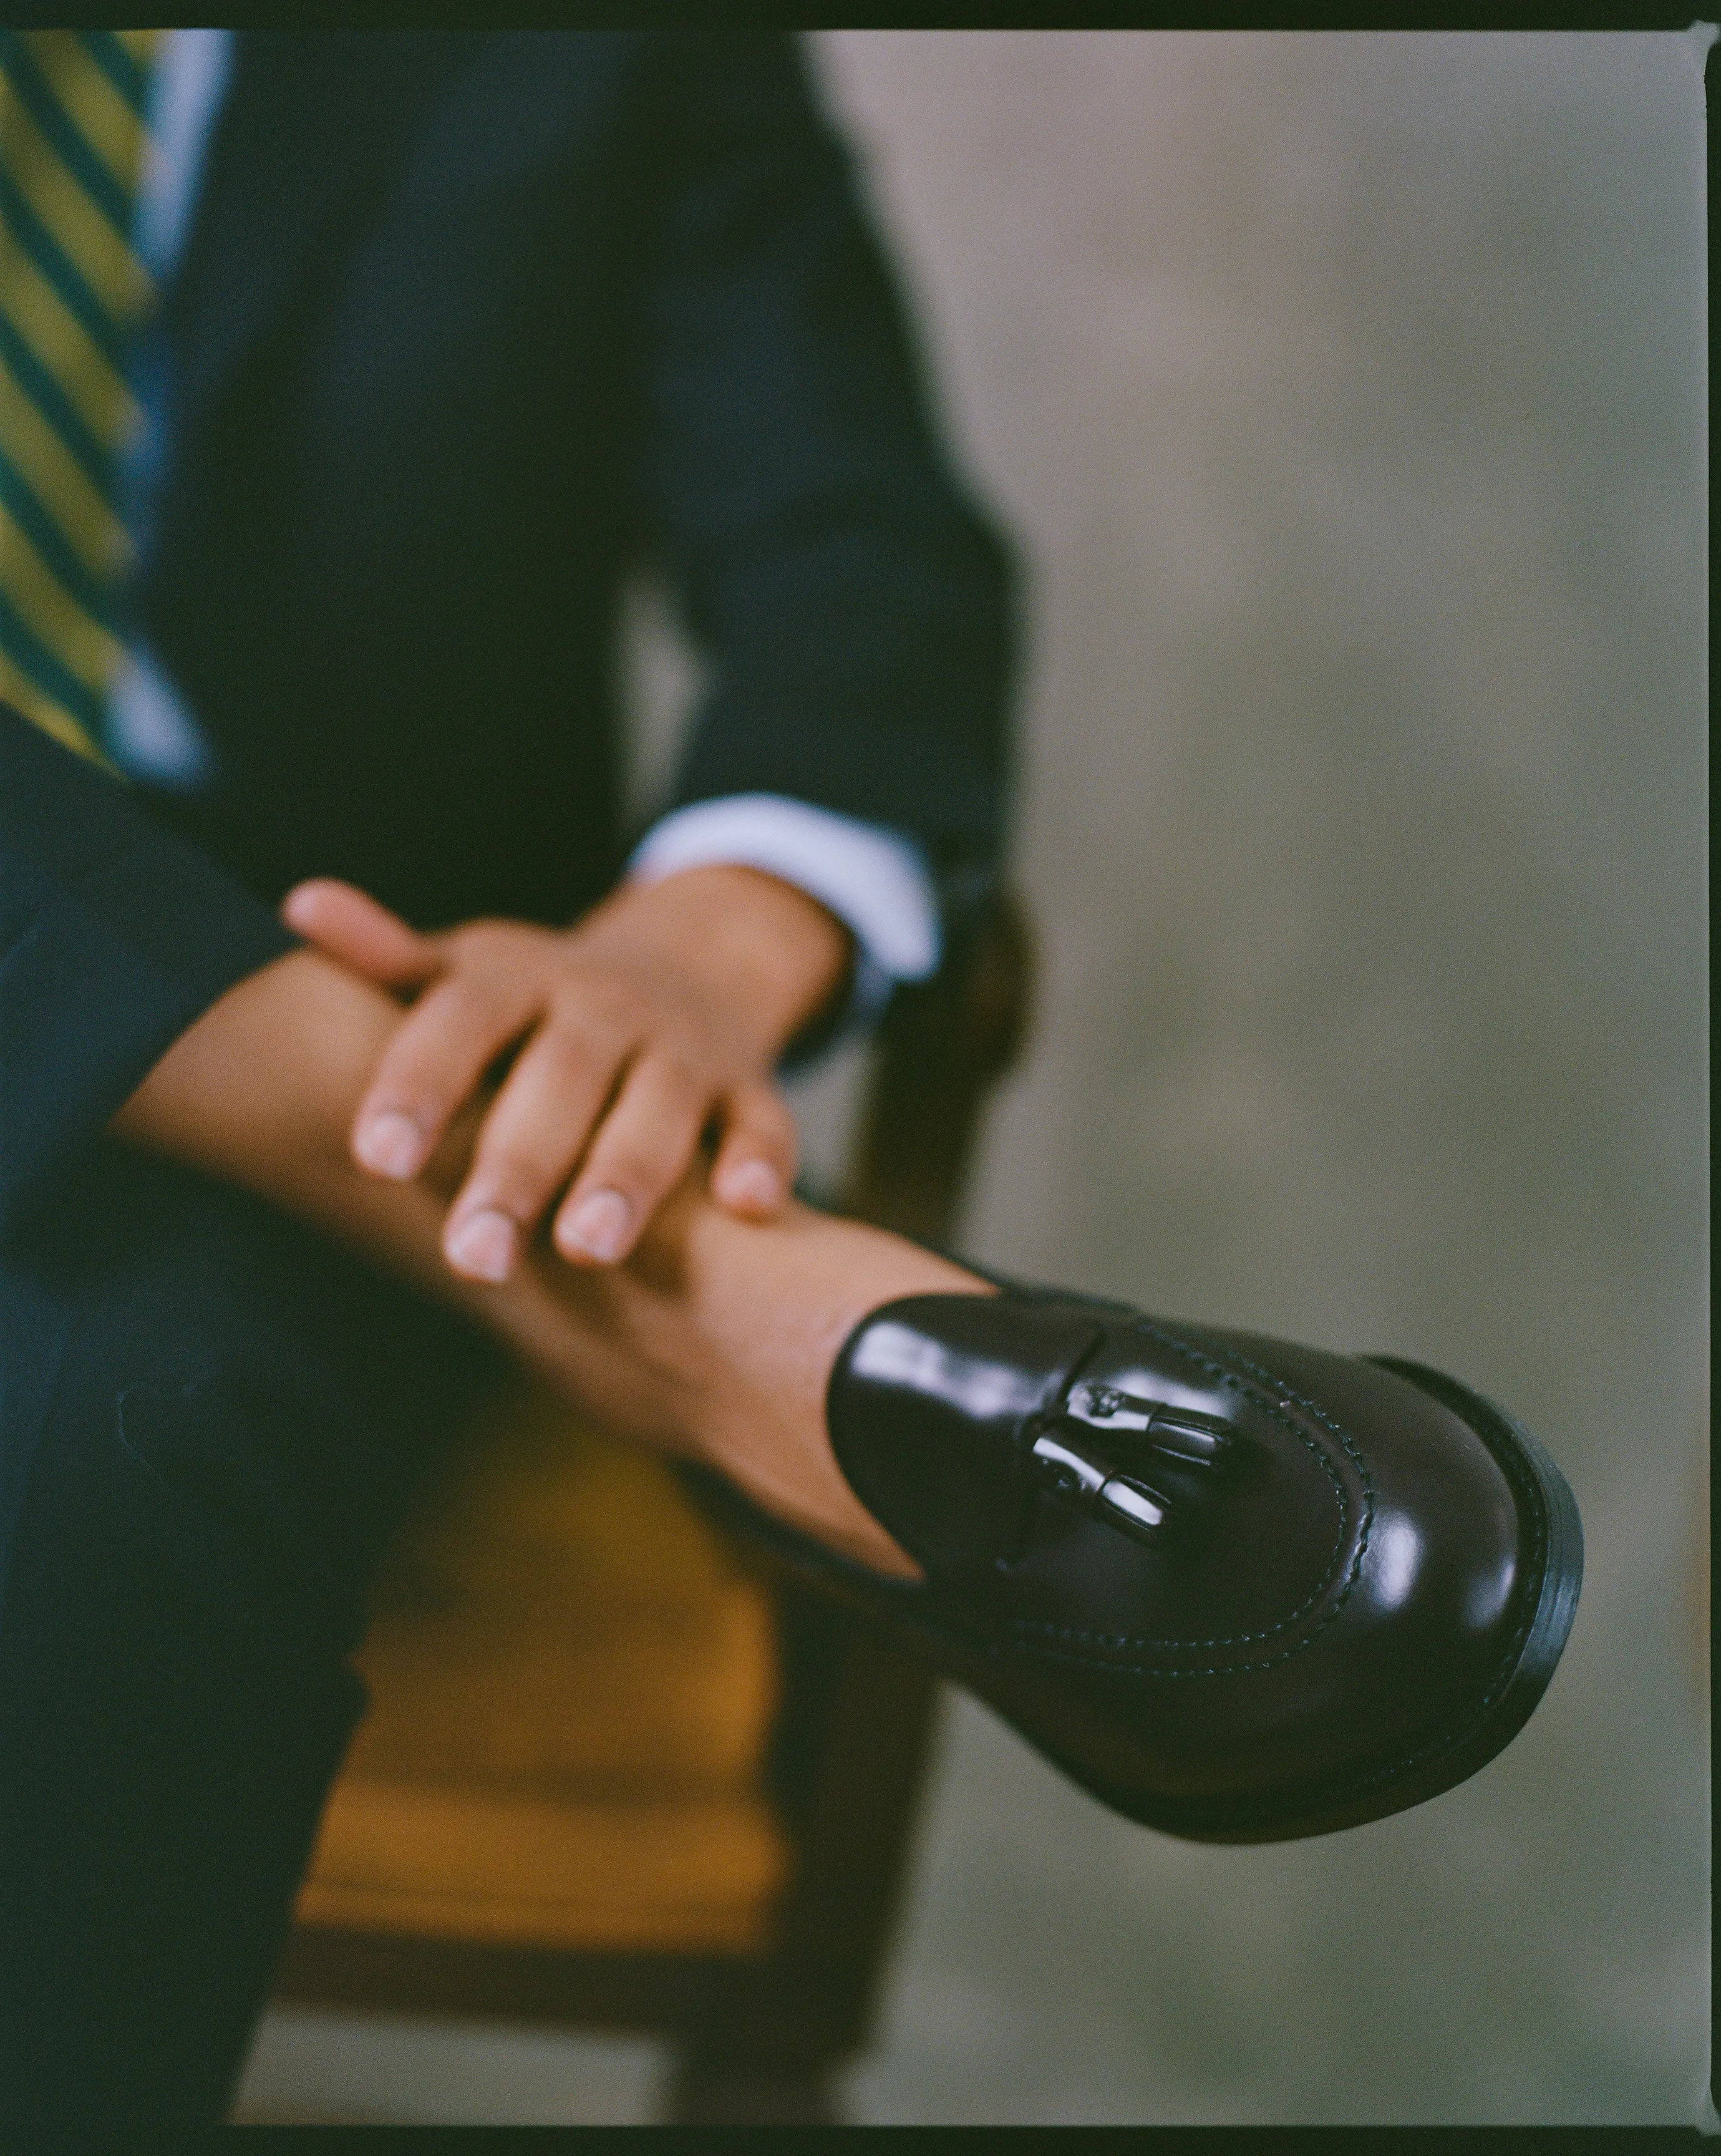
856	604
114	936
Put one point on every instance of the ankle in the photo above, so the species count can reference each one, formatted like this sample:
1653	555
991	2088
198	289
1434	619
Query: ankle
715	1342
813	1281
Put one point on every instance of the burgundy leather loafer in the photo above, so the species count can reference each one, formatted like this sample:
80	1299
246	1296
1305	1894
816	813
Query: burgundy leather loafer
1238	1590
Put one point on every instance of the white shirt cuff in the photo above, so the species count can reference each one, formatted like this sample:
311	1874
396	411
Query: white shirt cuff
875	880
189	82
149	733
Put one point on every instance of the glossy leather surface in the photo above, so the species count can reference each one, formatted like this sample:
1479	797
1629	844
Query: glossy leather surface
1238	1587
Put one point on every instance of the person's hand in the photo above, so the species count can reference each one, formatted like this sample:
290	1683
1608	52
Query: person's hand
655	1020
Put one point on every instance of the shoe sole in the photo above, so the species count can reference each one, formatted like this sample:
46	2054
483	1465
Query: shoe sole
1547	1596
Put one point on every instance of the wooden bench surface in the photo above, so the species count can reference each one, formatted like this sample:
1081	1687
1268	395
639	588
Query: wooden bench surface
573	1683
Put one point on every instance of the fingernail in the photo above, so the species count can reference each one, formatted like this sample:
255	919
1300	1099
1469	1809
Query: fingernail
599	1226
483	1247
752	1182
389	1144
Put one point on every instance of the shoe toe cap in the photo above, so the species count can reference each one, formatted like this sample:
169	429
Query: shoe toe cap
1432	1547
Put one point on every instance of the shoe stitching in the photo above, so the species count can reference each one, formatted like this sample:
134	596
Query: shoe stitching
1028	1629
1524	1486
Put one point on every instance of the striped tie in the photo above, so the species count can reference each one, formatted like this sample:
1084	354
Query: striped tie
72	107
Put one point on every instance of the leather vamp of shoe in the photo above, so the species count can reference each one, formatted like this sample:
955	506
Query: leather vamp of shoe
1327	1572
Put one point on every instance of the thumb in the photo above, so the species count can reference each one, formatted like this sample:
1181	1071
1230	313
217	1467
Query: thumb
349	926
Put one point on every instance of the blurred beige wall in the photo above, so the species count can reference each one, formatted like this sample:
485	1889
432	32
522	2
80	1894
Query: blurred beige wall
1346	394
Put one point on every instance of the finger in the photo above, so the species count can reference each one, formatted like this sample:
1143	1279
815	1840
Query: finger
640	1154
351	925
535	1131
755	1168
443	1048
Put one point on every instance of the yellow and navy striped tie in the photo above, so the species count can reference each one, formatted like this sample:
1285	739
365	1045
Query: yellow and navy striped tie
72	290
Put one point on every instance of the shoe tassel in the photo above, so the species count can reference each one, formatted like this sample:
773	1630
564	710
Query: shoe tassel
1069	1464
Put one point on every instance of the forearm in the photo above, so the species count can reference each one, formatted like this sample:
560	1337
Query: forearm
715	1340
260	1092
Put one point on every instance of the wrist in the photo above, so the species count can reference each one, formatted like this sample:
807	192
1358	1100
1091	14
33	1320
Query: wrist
778	954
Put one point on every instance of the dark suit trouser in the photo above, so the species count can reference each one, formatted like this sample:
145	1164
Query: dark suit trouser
234	1421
